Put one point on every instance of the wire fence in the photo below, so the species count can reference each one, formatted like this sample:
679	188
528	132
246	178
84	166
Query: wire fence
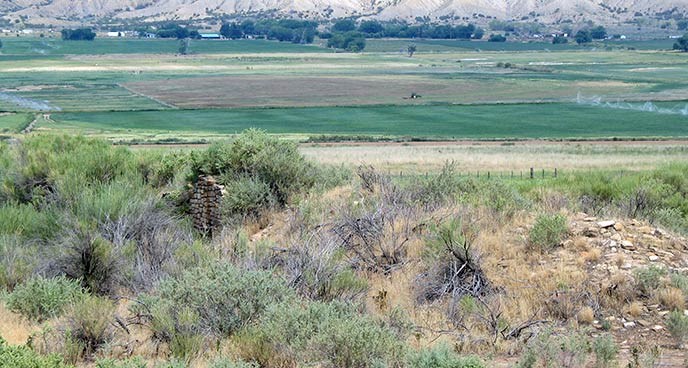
532	173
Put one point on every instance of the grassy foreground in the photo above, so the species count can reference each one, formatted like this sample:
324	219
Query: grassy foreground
318	265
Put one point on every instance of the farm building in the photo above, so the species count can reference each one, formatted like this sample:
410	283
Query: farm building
210	36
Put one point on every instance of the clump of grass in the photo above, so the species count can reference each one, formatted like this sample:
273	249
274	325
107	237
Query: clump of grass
40	298
648	279
547	232
672	298
442	356
586	315
605	350
677	324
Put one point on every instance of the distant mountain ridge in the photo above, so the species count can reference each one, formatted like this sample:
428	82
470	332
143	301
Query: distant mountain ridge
547	11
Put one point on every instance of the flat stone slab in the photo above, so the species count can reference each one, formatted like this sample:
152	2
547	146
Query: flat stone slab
606	224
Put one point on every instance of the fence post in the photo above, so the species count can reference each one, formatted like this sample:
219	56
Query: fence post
532	173
555	172
488	174
543	173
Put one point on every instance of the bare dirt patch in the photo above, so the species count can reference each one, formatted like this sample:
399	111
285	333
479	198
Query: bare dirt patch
260	90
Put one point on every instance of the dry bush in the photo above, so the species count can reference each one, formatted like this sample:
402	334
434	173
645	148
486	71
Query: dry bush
672	298
617	291
454	269
316	267
156	235
134	250
635	309
586	315
87	327
593	255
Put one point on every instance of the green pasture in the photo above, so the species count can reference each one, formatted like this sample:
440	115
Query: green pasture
13	123
428	45
40	47
517	121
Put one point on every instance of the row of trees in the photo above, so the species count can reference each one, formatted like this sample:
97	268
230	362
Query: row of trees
80	34
375	29
285	30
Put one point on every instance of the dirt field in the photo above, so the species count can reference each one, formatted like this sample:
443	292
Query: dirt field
298	91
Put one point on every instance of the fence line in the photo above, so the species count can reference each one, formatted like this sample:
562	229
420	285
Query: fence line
532	173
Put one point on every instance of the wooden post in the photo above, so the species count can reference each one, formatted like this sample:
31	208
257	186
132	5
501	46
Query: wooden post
543	173
488	174
532	173
555	172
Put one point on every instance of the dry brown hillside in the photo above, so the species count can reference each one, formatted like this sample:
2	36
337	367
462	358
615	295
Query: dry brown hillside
549	11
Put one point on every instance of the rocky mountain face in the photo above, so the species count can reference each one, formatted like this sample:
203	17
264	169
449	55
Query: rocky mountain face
547	11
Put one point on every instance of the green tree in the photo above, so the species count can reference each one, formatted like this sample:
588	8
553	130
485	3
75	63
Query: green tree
682	25
231	30
411	49
81	34
598	33
248	27
344	25
497	38
371	27
583	36
682	43
560	40
349	41
184	46
478	33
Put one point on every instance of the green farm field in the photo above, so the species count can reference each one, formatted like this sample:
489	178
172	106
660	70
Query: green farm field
140	90
514	121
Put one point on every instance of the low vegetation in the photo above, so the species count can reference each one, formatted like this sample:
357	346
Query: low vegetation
315	265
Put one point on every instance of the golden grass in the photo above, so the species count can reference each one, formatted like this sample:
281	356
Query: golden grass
586	315
496	157
635	309
14	328
672	298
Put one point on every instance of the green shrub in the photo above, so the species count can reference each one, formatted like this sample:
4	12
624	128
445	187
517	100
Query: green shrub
502	199
567	350
84	255
680	281
88	325
28	222
136	362
246	196
218	299
330	334
23	357
255	154
439	188
648	279
17	261
605	351
678	326
227	363
547	232
40	298
441	356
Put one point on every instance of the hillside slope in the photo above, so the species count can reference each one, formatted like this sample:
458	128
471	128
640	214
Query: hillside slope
549	11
